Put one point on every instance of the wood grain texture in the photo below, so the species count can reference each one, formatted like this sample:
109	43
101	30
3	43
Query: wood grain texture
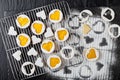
10	7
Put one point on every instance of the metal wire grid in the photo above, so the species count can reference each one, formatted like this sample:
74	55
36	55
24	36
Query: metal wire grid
16	66
10	41
10	21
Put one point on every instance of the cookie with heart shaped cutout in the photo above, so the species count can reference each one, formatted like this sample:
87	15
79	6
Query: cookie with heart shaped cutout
23	21
84	15
61	34
55	16
67	52
114	30
48	46
54	61
38	27
28	68
92	54
23	40
107	14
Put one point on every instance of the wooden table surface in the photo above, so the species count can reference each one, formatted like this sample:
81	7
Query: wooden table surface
10	7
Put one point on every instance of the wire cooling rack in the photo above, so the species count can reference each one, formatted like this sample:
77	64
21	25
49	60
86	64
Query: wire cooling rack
10	41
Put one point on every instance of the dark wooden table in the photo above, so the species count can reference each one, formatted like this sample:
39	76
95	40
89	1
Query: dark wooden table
10	7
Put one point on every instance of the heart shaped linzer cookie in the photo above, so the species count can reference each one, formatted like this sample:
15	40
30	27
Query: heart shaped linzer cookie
54	62
55	15
23	21
114	30
37	27
108	15
61	34
67	52
23	40
47	46
91	54
28	68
